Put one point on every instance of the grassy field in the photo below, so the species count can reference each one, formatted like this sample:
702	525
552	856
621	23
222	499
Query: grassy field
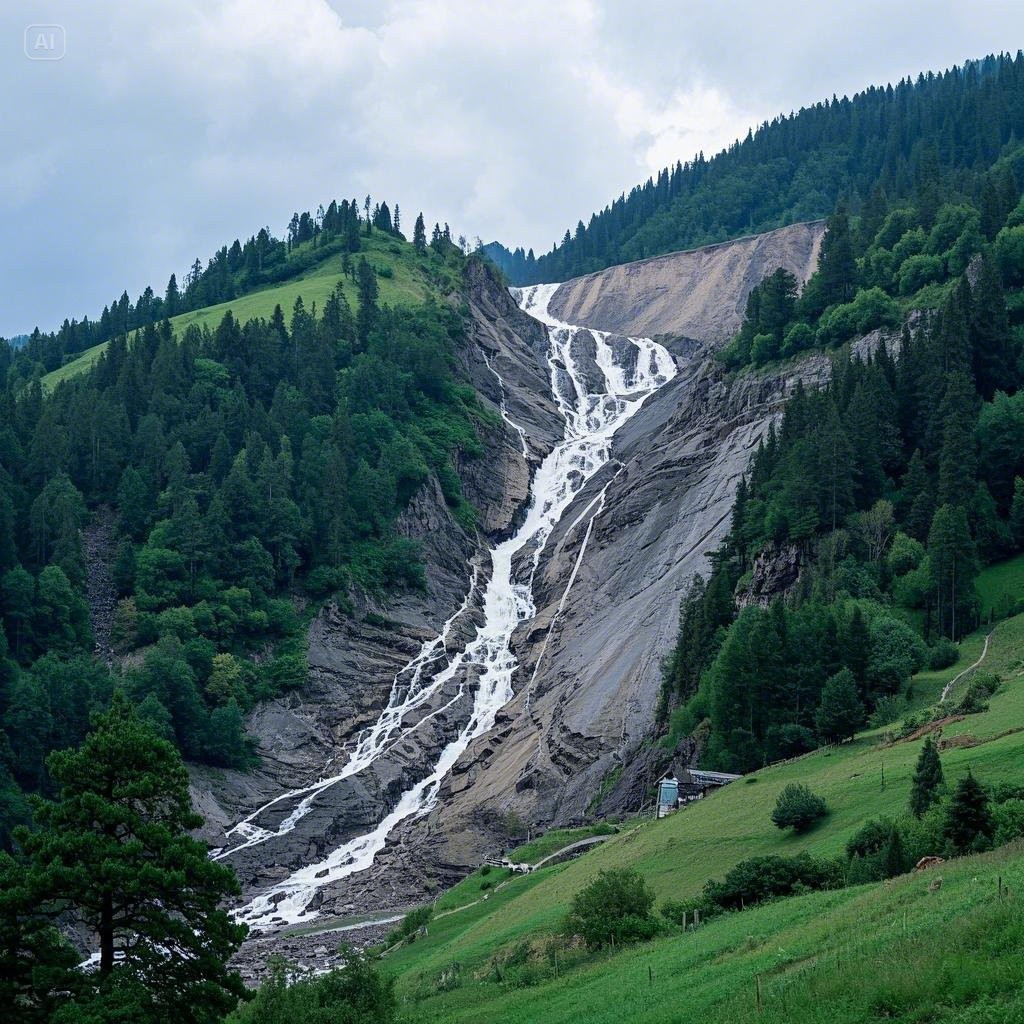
892	951
679	854
412	279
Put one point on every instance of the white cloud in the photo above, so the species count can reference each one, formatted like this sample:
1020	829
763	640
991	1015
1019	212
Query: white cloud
175	125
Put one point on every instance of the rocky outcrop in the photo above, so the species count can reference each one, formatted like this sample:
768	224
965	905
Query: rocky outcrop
594	655
607	590
355	653
701	293
775	572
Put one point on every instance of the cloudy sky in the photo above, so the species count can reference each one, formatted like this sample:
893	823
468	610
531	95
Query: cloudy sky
170	127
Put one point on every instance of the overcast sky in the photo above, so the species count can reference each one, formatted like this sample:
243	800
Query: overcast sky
170	127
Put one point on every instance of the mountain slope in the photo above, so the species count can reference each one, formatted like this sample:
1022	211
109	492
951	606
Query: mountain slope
899	138
401	280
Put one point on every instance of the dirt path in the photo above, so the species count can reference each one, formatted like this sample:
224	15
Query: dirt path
948	688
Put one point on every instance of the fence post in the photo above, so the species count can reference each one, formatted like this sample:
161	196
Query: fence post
757	979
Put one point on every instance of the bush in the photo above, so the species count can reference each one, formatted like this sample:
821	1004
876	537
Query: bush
798	338
788	740
798	808
1008	818
679	912
757	879
887	710
869	838
356	992
615	907
917	271
975	700
870	308
411	924
943	654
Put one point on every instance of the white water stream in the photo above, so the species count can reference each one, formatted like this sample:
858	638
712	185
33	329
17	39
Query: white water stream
591	420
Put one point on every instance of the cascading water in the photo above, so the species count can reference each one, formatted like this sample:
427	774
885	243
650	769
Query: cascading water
591	420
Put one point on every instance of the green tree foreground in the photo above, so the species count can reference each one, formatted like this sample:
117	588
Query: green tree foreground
112	857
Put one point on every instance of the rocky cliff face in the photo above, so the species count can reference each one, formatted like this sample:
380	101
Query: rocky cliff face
606	591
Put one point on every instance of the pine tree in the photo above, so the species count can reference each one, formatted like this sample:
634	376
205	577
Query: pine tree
1017	512
841	712
992	350
113	853
968	823
366	315
856	648
958	458
419	234
953	566
837	267
928	779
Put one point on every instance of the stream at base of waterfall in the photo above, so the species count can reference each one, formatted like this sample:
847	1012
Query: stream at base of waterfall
631	369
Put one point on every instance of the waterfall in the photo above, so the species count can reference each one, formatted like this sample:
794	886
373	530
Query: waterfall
591	420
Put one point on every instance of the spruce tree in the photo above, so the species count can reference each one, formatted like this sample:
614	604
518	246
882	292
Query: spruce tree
928	779
992	349
113	854
837	267
968	821
1017	512
953	565
841	712
419	235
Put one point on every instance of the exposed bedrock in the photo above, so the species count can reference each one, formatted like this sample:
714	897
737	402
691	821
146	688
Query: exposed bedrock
700	293
607	589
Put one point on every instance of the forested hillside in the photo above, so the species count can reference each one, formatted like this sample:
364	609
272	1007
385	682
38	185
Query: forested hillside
797	167
884	494
244	471
233	271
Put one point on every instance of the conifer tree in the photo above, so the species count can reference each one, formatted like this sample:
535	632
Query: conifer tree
992	351
841	712
113	853
928	779
419	234
968	825
953	567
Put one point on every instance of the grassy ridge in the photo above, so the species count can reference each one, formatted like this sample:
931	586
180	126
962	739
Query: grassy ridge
407	285
679	854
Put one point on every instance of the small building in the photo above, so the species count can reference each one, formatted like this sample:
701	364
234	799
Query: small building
668	795
692	784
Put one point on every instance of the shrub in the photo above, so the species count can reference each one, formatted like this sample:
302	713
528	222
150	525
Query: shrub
870	308
615	907
411	924
975	700
1008	819
869	838
798	808
917	271
758	879
679	912
799	337
887	710
788	740
943	654
356	992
